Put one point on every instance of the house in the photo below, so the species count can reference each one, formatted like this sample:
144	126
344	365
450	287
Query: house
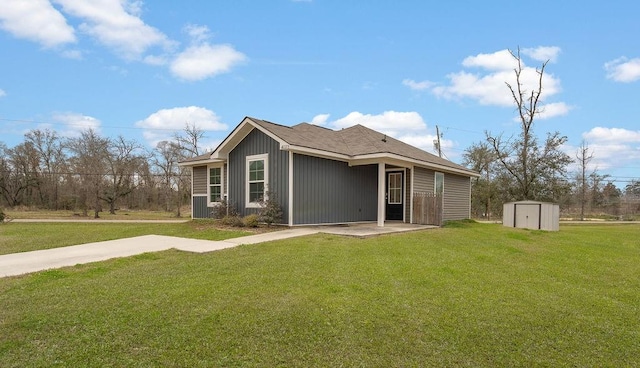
322	176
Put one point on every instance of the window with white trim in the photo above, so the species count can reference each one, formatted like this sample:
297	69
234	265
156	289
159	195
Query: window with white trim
215	180
439	183
257	178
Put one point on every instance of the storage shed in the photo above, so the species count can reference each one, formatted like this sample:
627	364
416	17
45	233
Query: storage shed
531	215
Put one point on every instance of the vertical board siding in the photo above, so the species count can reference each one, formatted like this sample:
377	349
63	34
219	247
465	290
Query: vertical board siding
327	191
256	143
200	209
457	201
200	180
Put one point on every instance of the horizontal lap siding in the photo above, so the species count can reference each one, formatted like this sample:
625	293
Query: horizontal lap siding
200	180
328	191
457	199
423	180
257	143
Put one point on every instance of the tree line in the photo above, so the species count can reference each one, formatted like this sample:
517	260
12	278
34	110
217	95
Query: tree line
89	173
521	167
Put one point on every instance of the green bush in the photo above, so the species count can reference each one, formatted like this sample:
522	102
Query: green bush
250	220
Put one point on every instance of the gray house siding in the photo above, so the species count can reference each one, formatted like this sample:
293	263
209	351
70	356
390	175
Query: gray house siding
256	143
200	180
200	209
328	191
200	200
423	180
456	197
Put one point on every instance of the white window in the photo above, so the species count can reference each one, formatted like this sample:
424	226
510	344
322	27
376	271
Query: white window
394	191
439	183
214	189
257	178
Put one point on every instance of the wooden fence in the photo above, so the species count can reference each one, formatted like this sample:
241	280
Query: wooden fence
427	208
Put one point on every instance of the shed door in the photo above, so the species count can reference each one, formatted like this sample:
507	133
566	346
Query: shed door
395	194
527	216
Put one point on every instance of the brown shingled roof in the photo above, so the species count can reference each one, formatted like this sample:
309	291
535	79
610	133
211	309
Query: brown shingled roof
353	141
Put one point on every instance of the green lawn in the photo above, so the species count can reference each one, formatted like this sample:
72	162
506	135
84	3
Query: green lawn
470	295
22	237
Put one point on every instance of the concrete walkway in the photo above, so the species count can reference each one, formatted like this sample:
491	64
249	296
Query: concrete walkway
39	260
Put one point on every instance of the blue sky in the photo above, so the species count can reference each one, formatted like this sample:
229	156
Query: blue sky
145	69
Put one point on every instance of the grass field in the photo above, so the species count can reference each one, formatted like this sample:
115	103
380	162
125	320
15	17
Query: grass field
468	295
22	237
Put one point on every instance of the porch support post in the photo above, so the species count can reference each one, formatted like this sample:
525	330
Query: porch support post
290	209
381	192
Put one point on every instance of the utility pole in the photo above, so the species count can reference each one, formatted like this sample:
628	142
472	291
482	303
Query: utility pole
437	142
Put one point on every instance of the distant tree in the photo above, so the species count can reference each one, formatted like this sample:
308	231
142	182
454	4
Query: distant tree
165	159
633	189
52	162
481	158
89	163
532	167
188	140
123	161
18	173
584	157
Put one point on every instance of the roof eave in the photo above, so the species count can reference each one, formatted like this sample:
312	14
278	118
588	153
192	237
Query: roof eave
407	161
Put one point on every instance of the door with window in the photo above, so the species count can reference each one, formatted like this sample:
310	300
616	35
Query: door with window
395	196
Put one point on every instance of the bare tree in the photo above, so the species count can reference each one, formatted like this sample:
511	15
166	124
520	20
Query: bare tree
19	174
531	166
189	139
52	162
89	164
584	157
480	157
122	163
165	159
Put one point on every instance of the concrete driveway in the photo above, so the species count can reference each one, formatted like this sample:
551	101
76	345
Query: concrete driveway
39	260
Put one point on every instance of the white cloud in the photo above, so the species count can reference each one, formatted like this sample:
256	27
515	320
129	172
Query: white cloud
204	61
162	124
488	87
75	123
2	93
543	53
36	20
408	127
500	60
320	119
613	147
623	69
618	135
554	109
417	86
389	122
116	24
